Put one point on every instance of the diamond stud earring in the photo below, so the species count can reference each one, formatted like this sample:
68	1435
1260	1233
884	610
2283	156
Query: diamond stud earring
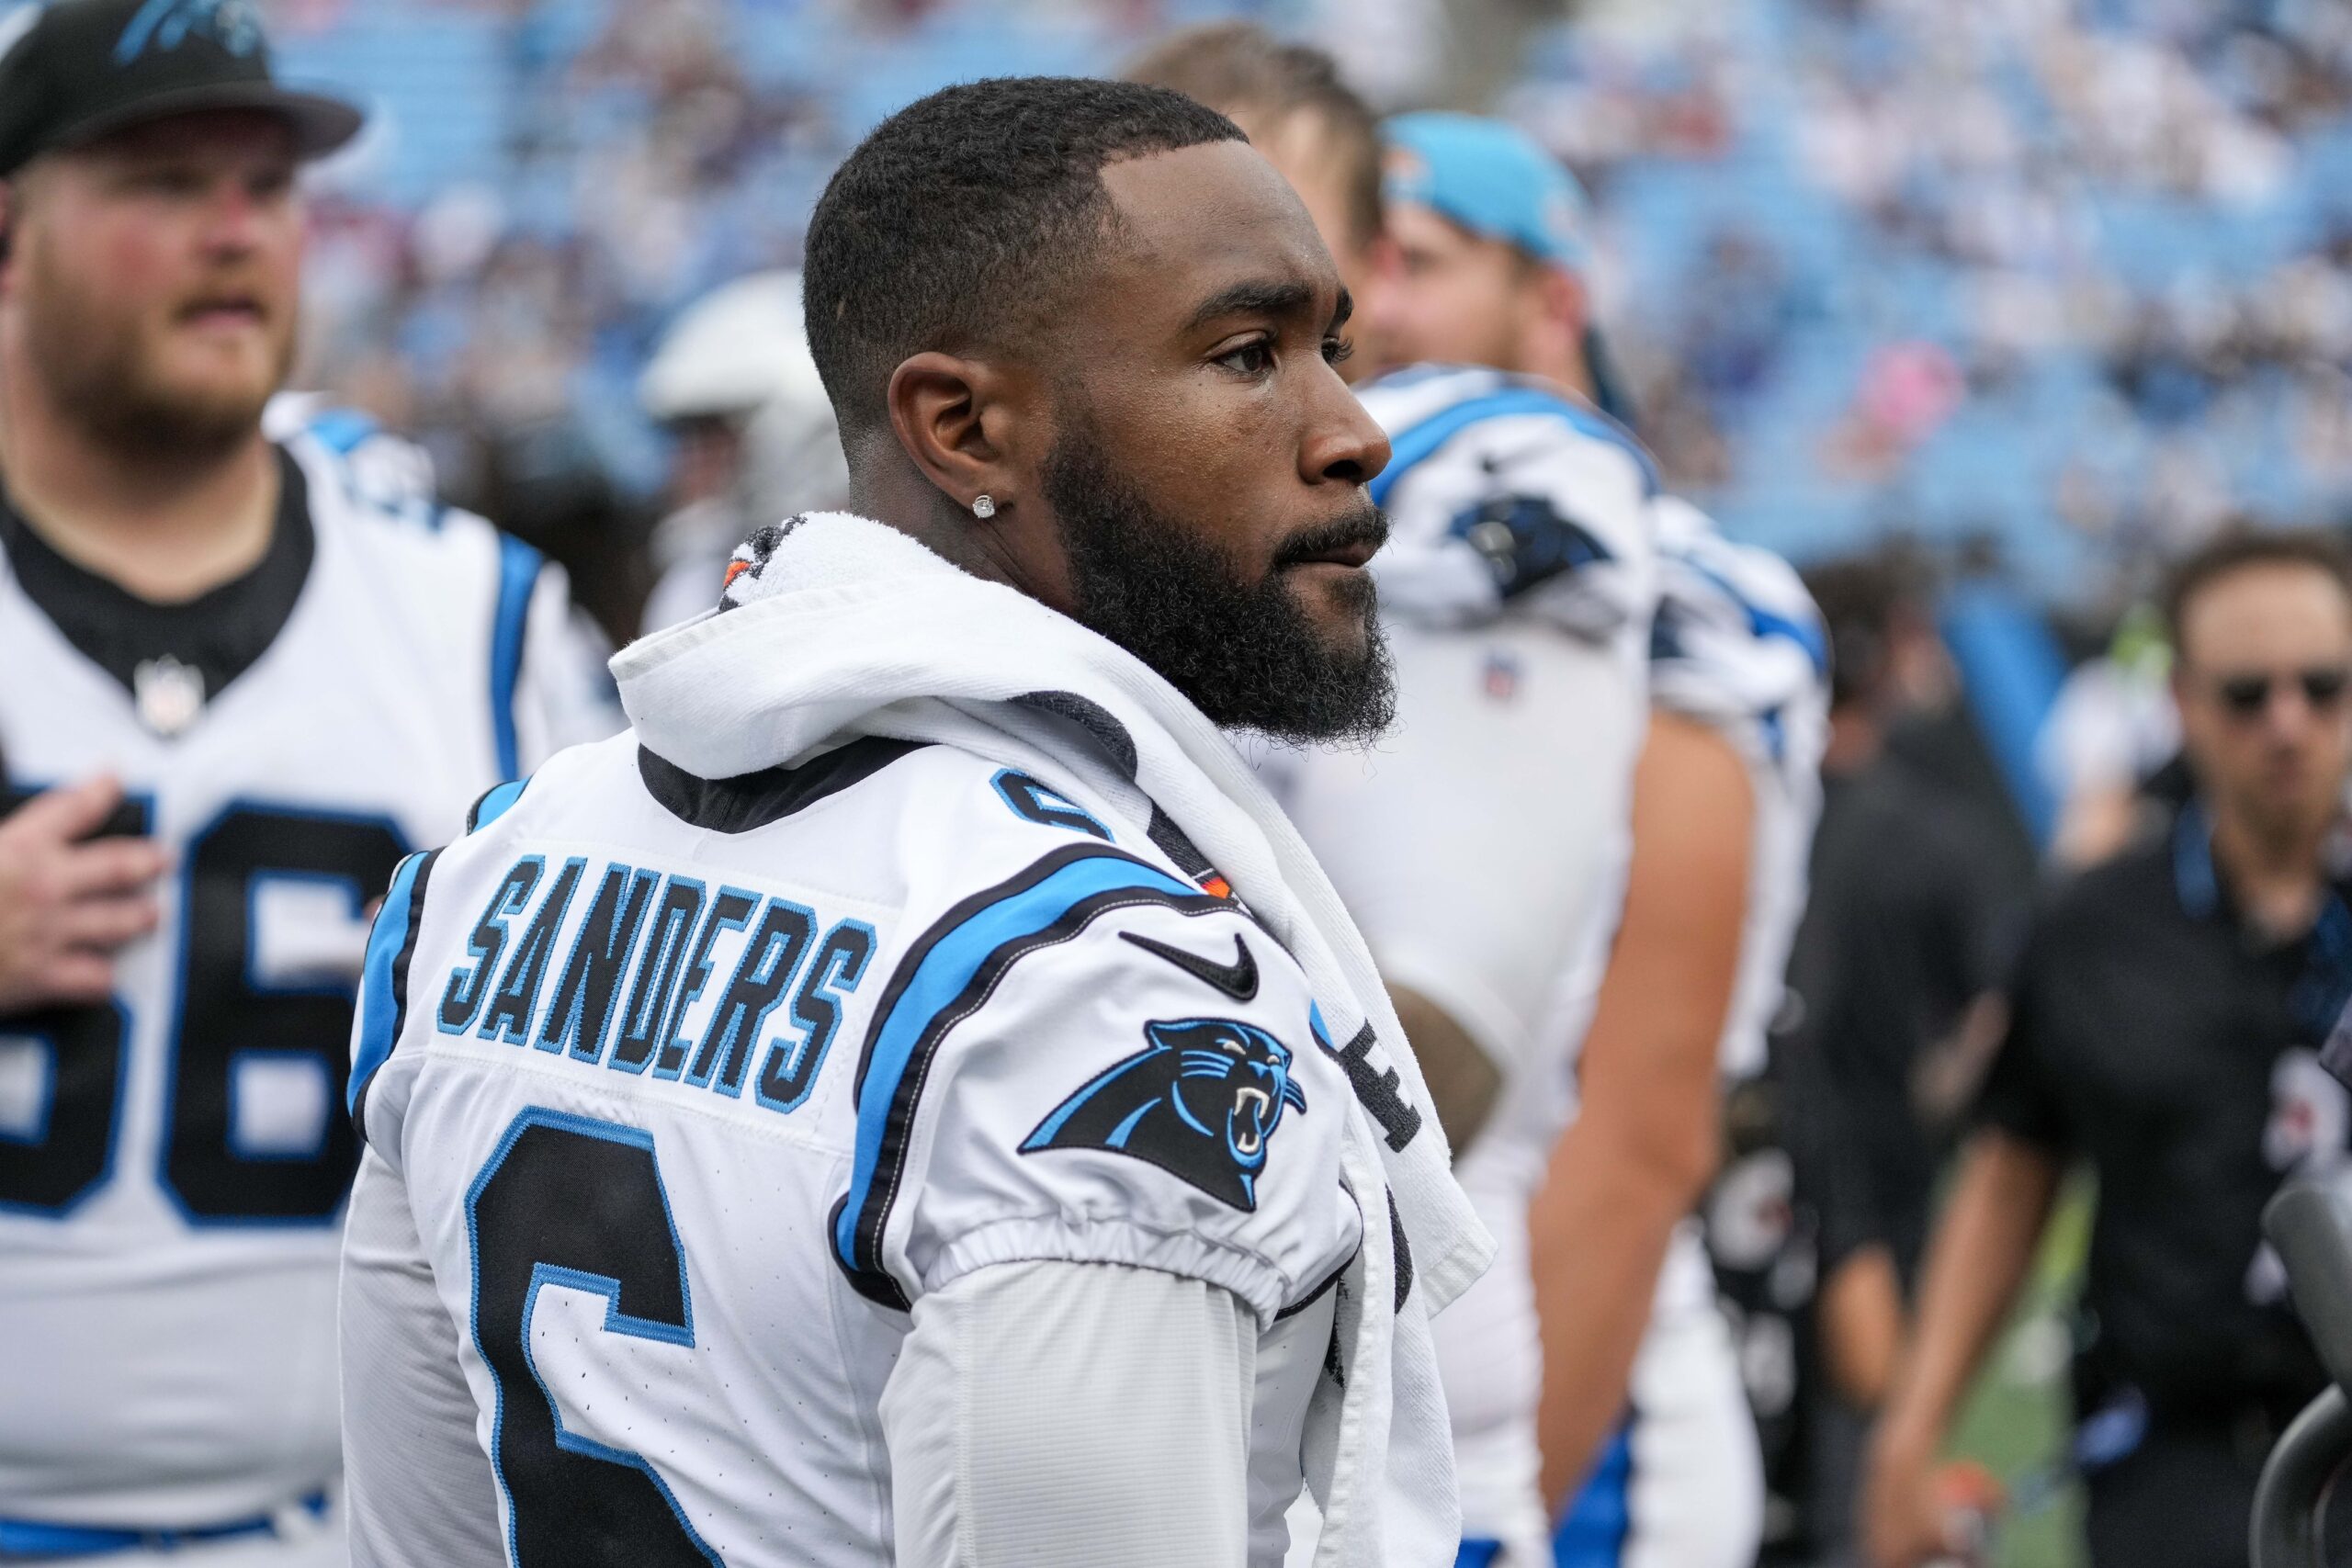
984	507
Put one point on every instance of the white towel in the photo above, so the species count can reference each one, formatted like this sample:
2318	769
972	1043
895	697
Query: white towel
835	626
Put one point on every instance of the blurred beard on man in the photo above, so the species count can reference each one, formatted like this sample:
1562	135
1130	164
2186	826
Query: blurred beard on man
105	368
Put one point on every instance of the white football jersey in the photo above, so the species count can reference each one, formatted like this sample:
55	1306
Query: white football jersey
1739	646
1480	846
687	1090
173	1165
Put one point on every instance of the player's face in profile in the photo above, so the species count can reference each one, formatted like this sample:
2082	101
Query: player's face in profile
1456	299
2262	684
158	273
1209	468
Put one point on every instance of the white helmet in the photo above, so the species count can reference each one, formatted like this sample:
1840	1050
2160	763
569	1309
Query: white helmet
731	351
740	352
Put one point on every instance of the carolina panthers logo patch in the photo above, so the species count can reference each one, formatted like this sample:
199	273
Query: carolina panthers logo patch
1527	541
1202	1101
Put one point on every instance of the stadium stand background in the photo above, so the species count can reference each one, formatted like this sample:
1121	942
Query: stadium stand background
2068	276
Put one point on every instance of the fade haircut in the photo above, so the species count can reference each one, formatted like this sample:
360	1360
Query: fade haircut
959	222
1240	69
2236	548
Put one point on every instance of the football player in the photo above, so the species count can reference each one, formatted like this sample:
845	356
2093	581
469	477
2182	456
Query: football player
733	383
239	678
1483	847
914	1100
1642	1396
1688	973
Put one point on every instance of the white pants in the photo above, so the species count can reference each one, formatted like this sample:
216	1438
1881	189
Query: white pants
1681	1484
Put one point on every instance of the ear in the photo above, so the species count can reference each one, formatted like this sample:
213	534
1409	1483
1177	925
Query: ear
1564	303
958	422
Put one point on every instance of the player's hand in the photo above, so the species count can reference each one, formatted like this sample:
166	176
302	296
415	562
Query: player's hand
1907	1517
66	905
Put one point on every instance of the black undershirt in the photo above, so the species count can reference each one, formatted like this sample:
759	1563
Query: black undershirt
219	633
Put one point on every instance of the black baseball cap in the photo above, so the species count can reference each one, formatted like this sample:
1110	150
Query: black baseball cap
83	68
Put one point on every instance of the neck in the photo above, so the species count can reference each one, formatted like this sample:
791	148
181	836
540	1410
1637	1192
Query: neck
2273	872
894	493
1562	363
167	526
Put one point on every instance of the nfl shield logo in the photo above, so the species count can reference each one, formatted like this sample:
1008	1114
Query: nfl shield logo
167	694
1501	681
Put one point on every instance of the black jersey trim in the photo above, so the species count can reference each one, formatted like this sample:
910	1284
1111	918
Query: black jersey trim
384	1012
221	633
755	800
980	939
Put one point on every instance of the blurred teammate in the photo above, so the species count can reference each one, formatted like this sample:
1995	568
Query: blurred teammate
915	1100
242	678
1720	812
2165	1024
1724	804
1481	848
733	382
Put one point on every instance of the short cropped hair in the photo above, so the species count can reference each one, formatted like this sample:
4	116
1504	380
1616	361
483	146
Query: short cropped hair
2235	549
1861	599
1240	69
963	216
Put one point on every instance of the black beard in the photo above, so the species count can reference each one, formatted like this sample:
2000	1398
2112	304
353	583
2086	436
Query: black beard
1247	654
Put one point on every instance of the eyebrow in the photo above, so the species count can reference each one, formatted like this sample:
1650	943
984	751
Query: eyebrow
1266	297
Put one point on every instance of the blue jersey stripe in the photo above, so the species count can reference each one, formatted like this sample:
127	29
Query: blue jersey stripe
1417	444
383	976
1763	622
341	431
936	988
518	573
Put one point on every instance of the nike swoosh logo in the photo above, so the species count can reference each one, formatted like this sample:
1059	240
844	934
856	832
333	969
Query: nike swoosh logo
1238	979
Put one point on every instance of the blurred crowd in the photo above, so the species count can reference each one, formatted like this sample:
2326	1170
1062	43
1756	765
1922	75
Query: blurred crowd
1869	261
1923	240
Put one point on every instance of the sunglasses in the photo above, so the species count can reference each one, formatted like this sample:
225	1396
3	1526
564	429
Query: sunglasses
2248	697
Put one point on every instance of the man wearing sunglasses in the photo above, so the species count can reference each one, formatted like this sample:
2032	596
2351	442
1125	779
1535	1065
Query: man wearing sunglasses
2165	1022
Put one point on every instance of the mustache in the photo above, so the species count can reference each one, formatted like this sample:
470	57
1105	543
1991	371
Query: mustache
1367	525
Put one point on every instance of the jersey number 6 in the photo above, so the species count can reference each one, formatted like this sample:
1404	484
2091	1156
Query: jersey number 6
578	1203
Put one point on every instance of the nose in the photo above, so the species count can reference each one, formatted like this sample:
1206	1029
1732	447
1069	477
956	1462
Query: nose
1343	444
233	219
2289	711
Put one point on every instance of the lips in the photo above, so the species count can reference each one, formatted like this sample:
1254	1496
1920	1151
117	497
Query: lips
221	308
1354	554
1348	541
